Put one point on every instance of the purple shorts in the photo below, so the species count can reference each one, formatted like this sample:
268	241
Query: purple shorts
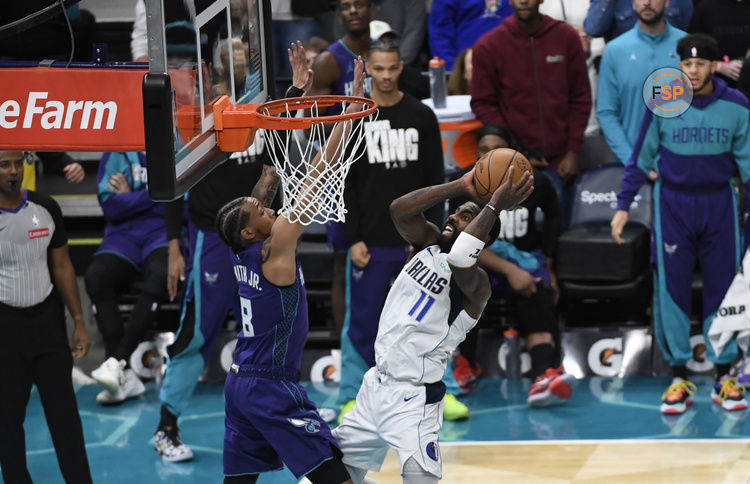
133	240
271	422
336	236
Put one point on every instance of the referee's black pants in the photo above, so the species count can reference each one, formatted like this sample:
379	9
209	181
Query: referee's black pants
34	350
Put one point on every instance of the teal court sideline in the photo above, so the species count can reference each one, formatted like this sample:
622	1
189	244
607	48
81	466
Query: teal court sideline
601	409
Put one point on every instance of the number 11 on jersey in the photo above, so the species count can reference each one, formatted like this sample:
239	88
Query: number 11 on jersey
424	303
247	317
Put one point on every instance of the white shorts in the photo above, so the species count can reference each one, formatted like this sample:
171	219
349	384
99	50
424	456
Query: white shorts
391	414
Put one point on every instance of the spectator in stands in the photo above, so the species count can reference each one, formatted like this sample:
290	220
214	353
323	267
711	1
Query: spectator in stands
408	19
727	22
288	27
695	214
626	63
313	47
455	25
52	163
138	36
333	74
612	18
403	153
33	342
547	103
459	79
135	242
594	150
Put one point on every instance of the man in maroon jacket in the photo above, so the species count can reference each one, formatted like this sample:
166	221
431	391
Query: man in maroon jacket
530	76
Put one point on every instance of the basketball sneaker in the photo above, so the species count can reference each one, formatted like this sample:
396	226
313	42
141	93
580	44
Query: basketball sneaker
345	408
131	387
464	374
110	374
453	409
678	397
729	394
551	388
170	447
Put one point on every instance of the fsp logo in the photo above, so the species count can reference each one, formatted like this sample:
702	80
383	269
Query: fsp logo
667	93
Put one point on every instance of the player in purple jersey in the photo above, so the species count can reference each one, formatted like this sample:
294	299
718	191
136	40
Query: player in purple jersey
269	418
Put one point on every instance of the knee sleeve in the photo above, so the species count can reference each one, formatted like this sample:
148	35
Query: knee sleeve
536	313
414	473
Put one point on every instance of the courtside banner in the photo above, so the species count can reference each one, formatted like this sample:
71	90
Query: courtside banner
54	109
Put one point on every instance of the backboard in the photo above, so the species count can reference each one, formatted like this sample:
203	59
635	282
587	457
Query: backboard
198	51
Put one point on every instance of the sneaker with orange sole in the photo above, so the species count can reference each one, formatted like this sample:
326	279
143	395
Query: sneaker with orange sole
678	397
729	394
551	388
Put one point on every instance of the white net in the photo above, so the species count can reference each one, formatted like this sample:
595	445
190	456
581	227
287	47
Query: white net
313	169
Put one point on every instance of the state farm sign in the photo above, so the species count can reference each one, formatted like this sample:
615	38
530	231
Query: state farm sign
71	109
55	114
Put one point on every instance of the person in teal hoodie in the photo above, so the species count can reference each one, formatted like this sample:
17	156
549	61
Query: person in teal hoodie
695	214
626	63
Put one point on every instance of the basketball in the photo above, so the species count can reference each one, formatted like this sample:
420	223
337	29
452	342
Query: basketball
491	170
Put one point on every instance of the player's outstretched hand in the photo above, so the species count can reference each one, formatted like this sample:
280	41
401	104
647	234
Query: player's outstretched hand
509	195
358	85
302	75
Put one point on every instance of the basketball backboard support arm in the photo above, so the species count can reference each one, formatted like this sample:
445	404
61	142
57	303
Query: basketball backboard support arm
157	107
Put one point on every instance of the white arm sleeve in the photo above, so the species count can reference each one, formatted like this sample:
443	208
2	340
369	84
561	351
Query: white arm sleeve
138	37
458	331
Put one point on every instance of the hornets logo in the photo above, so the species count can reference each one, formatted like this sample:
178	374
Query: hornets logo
310	425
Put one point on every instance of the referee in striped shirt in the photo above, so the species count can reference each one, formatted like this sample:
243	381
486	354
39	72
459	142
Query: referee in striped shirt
33	341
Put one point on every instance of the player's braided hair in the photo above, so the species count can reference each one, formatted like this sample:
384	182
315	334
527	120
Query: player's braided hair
229	222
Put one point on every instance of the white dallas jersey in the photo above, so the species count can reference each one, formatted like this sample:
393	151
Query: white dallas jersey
415	338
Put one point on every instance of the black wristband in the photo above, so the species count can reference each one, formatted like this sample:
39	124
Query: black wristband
494	210
294	92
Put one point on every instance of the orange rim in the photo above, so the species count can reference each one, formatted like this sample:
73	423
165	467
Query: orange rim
268	111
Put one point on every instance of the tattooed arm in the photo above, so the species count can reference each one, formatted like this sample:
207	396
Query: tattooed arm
408	210
267	186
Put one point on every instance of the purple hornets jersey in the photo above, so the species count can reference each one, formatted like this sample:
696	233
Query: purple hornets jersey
274	319
345	59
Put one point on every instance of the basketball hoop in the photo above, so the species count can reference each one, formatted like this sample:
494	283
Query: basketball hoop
311	191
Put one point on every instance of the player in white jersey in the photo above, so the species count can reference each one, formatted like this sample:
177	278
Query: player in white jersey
436	299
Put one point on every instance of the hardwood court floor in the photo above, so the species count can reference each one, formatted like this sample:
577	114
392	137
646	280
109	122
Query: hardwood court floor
611	431
611	462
